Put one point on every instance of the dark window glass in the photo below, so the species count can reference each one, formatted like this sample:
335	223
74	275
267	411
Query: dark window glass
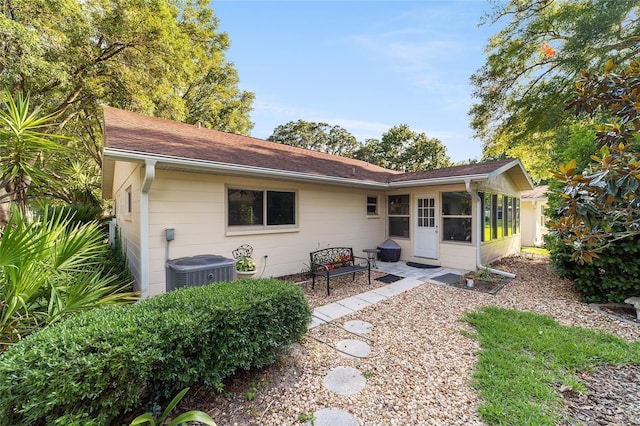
399	227
399	205
245	207
372	205
281	208
456	204
399	216
456	229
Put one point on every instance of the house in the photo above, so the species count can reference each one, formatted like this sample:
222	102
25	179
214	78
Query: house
534	222
217	191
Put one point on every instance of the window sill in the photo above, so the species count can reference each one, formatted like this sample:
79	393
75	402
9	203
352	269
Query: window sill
373	216
262	231
466	243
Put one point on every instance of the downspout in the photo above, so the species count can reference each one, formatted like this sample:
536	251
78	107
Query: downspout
478	236
149	176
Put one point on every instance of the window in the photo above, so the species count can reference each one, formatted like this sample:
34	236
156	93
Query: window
517	213
456	216
261	207
399	216
543	218
129	200
500	218
372	205
486	215
509	211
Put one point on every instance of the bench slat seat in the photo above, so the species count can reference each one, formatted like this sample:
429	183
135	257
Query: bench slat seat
335	262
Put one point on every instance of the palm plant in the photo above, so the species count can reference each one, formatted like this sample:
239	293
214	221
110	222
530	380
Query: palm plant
24	144
49	269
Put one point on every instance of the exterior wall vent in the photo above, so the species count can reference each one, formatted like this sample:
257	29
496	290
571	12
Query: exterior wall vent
199	270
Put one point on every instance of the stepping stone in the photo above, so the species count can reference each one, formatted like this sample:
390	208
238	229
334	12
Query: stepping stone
358	327
333	417
344	381
352	348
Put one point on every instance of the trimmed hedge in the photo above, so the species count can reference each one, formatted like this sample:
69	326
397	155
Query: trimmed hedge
612	277
109	361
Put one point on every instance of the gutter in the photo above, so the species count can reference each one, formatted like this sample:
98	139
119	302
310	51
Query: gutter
149	176
479	213
252	171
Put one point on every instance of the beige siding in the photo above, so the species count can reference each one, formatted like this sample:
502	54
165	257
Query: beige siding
128	176
195	206
532	226
451	254
459	256
496	249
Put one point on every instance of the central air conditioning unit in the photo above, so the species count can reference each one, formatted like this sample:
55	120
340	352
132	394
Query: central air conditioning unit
199	270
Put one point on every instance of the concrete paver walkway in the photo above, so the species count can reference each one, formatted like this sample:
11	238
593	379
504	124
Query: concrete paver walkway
413	277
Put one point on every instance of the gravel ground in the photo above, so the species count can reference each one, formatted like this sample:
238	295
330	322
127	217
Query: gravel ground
420	366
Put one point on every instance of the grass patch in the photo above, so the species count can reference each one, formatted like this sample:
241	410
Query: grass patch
523	355
535	250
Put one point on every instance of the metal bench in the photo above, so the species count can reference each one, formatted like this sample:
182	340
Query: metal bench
337	261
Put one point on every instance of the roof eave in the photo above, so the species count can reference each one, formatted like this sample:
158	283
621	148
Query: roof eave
438	181
114	154
525	184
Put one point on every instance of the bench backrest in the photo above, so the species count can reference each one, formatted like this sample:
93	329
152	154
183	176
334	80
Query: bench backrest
331	258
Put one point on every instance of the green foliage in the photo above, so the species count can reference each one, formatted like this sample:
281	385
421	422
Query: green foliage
523	355
190	416
319	137
531	65
610	277
50	269
400	148
163	58
24	147
599	206
109	361
596	216
245	264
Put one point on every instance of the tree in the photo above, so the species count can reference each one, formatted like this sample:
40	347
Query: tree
595	238
531	66
400	148
158	57
319	137
24	147
601	204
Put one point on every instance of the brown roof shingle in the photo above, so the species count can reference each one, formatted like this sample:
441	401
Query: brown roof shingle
139	133
127	133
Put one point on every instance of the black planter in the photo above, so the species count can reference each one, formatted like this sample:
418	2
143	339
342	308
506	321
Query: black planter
389	251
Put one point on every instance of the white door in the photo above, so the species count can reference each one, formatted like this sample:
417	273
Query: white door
426	227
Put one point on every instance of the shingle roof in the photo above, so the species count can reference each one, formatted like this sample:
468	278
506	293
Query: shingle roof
133	137
537	193
465	170
139	133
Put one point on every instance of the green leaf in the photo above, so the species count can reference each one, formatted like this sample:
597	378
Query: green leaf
193	416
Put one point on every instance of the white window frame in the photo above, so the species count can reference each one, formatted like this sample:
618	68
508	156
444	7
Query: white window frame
264	228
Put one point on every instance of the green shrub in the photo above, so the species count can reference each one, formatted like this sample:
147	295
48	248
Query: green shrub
110	361
611	277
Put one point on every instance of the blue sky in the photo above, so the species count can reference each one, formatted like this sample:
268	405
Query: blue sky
363	65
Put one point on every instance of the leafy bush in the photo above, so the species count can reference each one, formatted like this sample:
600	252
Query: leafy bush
50	269
611	277
107	362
